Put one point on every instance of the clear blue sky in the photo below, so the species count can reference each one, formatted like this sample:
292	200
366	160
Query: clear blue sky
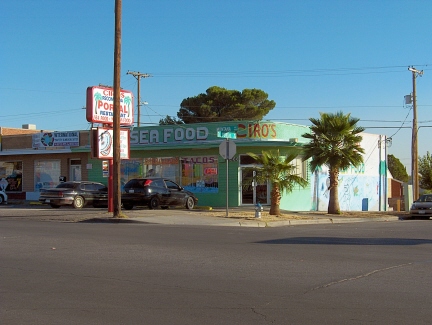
309	56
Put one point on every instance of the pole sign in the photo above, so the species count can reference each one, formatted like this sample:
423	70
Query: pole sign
102	143
227	149
100	106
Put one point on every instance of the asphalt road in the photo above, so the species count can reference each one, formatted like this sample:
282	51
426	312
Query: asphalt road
54	272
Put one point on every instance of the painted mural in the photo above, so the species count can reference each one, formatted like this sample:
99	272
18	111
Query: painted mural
360	189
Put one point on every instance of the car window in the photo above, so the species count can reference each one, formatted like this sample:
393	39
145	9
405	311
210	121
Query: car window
133	183
100	187
88	187
158	183
171	185
65	185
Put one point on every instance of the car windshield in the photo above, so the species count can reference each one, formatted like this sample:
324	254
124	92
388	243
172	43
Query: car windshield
425	198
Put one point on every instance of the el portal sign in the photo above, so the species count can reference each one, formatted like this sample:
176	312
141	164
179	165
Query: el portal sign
100	106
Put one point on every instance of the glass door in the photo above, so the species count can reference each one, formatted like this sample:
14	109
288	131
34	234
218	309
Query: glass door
75	170
251	191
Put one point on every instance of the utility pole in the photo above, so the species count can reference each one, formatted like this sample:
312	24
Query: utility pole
414	143
116	125
138	76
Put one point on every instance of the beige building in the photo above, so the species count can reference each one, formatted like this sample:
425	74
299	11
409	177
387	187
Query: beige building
31	159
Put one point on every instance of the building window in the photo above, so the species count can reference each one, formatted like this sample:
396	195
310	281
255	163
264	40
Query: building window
167	167
47	174
200	174
12	172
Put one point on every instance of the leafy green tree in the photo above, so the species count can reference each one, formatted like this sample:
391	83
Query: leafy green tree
220	104
168	120
397	169
335	143
280	172
425	171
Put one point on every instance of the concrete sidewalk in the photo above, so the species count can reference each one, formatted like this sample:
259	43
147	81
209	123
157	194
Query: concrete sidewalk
205	216
243	217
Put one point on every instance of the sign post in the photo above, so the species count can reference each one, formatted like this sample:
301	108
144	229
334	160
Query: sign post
227	149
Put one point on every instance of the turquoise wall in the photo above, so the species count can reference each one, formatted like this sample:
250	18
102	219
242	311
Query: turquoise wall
202	140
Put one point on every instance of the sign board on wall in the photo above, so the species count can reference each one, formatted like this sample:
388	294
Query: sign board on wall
100	106
55	139
103	140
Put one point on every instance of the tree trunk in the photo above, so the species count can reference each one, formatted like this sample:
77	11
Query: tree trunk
275	201
333	207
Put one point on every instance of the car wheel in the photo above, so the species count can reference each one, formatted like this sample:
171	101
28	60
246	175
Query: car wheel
55	206
190	203
128	206
154	203
78	202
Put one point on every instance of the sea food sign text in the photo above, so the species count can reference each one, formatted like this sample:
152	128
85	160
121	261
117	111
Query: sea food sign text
180	134
100	106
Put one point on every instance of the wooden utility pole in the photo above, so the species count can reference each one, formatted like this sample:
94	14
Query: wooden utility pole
414	143
116	124
138	76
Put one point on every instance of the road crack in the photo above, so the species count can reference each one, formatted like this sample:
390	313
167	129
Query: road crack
359	276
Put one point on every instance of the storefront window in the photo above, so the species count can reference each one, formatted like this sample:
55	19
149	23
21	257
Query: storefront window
200	174
129	169
162	167
11	171
47	173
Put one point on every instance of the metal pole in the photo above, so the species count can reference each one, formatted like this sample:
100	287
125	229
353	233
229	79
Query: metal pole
227	152
139	104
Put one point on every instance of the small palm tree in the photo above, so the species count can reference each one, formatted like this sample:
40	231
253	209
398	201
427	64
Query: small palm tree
97	97
335	143
128	100
280	172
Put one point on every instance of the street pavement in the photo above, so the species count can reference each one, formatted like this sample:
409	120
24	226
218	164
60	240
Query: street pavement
201	216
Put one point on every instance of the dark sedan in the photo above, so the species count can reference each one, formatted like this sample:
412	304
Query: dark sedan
155	192
76	194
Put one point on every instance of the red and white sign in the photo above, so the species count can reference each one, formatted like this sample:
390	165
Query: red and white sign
103	141
100	106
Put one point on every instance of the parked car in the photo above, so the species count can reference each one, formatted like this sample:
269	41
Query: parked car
423	206
155	192
77	194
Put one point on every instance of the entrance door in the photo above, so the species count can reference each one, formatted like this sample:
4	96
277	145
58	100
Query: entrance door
75	170
251	191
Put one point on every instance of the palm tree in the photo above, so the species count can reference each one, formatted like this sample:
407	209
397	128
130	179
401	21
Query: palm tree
128	101
97	97
335	143
280	172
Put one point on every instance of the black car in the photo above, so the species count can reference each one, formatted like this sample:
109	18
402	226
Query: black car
77	194
155	192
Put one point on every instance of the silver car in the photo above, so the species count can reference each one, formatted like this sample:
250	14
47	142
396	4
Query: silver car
423	206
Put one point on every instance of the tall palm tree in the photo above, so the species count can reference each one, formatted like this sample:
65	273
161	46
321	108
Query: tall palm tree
335	143
280	172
